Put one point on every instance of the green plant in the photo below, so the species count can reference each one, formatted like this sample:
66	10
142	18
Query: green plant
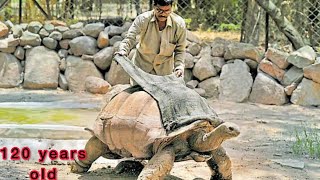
307	141
229	27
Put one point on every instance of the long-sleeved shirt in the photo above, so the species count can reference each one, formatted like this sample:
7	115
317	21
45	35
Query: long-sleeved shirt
159	51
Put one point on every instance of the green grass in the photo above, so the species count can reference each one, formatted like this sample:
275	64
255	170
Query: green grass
307	141
35	116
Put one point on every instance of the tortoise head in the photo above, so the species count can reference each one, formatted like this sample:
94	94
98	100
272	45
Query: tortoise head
204	142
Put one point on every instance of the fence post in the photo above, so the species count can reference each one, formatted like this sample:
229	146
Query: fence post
20	11
267	32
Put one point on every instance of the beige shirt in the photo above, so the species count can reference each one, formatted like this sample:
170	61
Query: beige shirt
162	52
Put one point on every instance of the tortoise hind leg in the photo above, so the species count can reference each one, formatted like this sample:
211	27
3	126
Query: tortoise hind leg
94	149
220	165
159	165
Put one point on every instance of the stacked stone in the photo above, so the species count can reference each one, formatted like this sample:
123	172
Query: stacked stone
79	58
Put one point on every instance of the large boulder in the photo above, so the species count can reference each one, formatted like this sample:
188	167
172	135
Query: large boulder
306	94
41	69
10	71
235	82
77	71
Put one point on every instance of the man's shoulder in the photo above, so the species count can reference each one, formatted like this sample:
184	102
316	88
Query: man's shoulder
145	15
178	20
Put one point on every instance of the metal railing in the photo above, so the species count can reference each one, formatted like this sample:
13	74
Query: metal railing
241	16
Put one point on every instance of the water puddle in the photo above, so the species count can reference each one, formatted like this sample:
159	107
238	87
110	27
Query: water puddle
53	115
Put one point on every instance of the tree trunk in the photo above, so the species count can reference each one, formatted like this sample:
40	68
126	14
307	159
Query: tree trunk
282	23
251	27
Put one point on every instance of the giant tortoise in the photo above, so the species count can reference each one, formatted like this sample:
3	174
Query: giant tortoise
130	126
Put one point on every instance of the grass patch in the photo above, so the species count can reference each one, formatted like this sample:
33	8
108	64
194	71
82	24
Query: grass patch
307	141
34	116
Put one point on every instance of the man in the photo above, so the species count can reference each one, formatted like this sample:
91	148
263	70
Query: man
162	43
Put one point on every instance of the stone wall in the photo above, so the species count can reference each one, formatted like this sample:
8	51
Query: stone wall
79	58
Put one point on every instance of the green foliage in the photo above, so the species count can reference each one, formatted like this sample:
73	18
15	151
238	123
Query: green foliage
229	27
307	141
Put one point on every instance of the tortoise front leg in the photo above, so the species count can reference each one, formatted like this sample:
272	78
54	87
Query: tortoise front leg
94	148
159	165
220	165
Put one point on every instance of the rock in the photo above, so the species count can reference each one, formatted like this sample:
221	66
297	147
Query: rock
63	65
63	53
306	94
117	75
293	75
96	85
61	29
48	27
211	87
218	47
187	75
93	29
31	39
63	84
194	49
192	84
64	44
50	43
43	33
41	69
200	91
103	40
83	45
78	25
278	57
56	35
77	71
193	38
10	71
56	23
115	39
103	58
289	89
4	30
17	31
235	82
34	27
266	90
271	69
204	68
252	64
189	61
114	30
303	57
8	49
312	72
218	62
242	51
87	57
71	34
19	52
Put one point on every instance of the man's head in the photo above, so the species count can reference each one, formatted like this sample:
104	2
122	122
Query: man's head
162	9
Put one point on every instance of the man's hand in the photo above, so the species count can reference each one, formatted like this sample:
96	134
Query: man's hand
121	53
178	72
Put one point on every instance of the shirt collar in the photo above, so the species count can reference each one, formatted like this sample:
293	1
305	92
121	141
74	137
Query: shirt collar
169	19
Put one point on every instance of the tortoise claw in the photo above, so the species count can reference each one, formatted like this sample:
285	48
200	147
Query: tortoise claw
75	167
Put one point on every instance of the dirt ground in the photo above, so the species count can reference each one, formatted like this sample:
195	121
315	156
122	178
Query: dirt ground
266	137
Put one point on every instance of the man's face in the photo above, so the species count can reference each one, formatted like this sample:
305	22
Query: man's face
162	12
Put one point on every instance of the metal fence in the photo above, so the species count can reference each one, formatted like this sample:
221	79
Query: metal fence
240	16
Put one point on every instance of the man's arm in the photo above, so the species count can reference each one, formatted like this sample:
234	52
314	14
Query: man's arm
127	43
180	50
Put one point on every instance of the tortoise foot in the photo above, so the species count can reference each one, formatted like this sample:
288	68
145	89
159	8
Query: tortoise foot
129	166
78	167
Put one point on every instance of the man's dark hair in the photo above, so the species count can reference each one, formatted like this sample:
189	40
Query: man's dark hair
162	2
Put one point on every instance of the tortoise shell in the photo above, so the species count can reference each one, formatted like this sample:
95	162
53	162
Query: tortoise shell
130	125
